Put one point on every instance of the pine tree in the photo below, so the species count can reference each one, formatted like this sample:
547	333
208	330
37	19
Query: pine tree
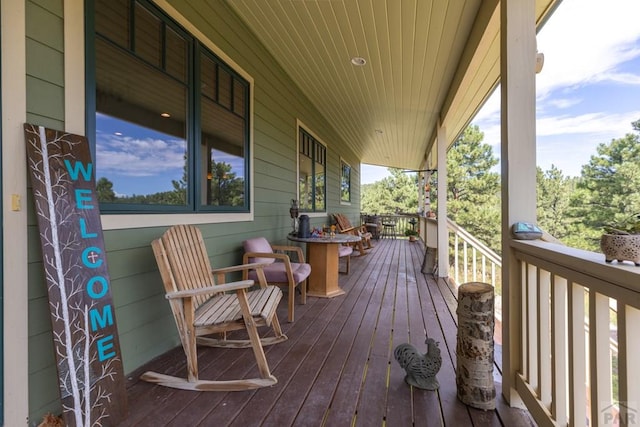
607	190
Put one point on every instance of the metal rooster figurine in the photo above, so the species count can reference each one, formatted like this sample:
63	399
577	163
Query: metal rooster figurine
421	368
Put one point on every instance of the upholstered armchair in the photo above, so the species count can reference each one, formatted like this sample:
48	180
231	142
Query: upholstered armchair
279	269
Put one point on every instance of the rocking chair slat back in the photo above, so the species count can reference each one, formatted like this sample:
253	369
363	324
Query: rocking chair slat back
189	260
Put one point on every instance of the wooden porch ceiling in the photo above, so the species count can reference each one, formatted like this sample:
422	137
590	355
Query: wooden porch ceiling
427	61
337	368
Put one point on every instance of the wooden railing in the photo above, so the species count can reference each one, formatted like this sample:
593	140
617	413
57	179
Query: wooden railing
470	259
578	318
579	321
401	222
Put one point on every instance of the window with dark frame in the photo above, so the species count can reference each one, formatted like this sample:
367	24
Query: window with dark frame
312	172
345	182
171	118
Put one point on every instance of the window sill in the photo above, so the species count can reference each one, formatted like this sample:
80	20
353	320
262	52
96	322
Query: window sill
121	222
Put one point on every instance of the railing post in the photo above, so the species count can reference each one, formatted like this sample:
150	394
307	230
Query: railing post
518	166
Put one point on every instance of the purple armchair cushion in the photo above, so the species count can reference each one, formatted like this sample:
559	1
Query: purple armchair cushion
345	250
277	273
258	244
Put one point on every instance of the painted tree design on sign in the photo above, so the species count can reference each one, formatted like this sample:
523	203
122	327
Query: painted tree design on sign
85	336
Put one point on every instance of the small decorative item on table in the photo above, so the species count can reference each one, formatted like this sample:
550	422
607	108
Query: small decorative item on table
333	231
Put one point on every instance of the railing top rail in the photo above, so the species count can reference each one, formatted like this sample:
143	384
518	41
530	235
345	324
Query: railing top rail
583	263
484	250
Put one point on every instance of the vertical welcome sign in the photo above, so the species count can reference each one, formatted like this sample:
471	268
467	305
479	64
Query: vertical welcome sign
85	335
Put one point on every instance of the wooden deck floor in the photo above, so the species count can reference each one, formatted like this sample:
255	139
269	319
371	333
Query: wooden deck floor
337	368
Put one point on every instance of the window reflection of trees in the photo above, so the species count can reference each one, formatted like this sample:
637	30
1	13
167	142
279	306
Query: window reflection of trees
312	160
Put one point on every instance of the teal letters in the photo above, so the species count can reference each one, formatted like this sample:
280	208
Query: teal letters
104	320
105	344
101	316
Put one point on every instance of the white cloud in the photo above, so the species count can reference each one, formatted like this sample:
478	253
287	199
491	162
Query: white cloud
585	43
564	102
132	157
593	123
586	40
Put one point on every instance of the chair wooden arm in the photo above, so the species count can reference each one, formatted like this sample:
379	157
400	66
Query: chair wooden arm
248	255
190	293
296	249
349	229
235	268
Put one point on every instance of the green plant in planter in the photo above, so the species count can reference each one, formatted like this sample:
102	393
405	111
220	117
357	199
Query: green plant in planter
621	240
629	225
411	233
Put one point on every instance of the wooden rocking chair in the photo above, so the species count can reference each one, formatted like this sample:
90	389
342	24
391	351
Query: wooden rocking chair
344	226
203	304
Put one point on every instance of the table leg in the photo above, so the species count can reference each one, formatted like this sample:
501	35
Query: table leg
323	281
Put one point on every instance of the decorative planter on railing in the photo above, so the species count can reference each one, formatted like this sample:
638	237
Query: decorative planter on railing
621	247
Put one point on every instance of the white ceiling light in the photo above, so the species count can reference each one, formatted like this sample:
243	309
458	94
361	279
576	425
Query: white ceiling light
358	61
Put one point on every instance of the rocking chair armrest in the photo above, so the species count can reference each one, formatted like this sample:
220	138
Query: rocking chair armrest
349	229
241	267
296	249
190	293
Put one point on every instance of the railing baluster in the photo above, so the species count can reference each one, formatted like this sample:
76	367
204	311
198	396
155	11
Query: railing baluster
532	326
465	261
544	337
523	311
456	257
577	362
474	264
559	340
484	268
600	352
628	350
493	274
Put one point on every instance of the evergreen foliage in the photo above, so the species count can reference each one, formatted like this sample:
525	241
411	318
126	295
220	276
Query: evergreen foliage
393	194
574	210
473	190
607	190
553	202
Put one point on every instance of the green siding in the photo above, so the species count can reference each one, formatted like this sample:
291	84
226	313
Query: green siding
45	106
145	323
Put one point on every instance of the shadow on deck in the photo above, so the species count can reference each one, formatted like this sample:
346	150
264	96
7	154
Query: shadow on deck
337	368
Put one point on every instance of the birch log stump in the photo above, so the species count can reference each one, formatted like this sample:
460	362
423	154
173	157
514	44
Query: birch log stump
474	373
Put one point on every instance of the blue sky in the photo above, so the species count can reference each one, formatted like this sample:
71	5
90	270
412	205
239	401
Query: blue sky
139	160
588	91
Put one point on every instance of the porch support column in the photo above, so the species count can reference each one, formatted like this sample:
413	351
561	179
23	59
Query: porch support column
518	158
443	232
15	351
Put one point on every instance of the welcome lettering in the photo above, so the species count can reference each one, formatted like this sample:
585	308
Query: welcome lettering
97	286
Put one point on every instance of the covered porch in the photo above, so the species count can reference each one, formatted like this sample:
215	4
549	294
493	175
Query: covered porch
337	368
